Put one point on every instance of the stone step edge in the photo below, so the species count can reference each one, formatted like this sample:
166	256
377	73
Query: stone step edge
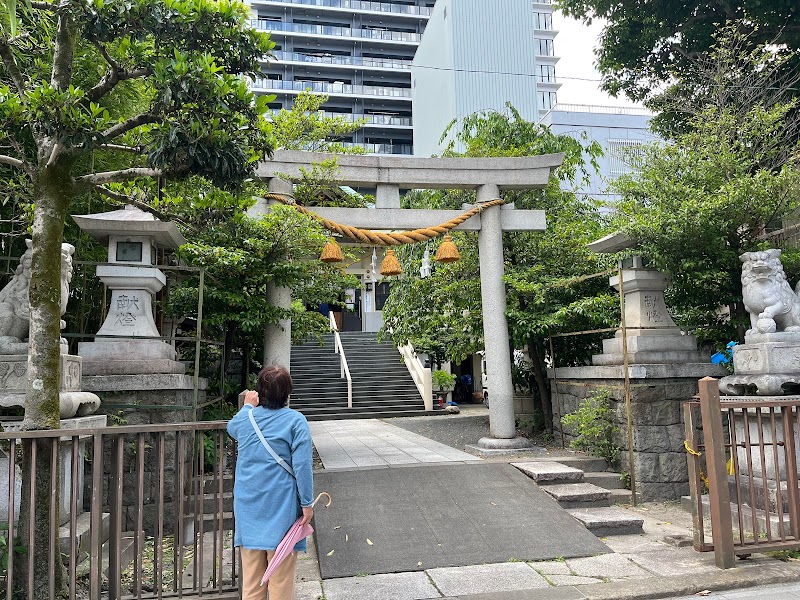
604	521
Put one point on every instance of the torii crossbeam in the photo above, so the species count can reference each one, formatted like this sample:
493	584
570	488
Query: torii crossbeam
390	174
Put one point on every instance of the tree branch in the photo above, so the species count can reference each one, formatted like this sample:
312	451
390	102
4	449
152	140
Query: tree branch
64	54
125	199
11	65
111	79
121	148
14	162
132	123
96	179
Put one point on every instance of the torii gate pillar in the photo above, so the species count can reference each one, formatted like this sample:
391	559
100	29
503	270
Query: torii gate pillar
495	324
390	174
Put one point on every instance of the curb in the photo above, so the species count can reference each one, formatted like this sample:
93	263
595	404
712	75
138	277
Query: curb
656	588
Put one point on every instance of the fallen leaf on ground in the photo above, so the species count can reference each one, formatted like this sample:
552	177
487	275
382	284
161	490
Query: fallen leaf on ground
493	504
369	541
704	593
330	553
419	564
338	527
346	537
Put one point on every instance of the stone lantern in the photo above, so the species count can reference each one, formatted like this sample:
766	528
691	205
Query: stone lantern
134	238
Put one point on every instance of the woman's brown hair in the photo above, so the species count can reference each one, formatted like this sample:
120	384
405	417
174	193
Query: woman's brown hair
274	387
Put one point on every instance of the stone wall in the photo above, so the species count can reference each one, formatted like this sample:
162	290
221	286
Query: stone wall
660	465
157	395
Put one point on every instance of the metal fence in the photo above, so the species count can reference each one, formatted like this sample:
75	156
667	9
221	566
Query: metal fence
743	449
174	540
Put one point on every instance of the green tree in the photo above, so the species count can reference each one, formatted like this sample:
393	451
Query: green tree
718	189
441	315
199	118
645	46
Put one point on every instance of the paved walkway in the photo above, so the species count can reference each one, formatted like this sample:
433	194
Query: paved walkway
348	444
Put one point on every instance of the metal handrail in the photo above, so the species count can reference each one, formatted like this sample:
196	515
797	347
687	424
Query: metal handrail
339	349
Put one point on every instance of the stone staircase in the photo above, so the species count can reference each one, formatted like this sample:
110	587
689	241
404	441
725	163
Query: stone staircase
587	491
382	385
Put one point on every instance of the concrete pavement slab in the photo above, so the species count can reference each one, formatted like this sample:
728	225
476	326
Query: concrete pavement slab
572	580
611	566
563	593
440	516
632	544
370	442
397	586
308	590
680	560
551	567
484	579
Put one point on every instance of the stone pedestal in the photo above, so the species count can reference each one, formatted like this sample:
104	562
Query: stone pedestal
652	336
65	468
72	401
768	363
657	396
143	400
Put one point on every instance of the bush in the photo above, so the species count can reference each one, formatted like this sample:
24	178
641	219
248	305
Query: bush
443	381
594	427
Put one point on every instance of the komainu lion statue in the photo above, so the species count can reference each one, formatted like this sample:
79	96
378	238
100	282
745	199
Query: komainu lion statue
15	302
768	297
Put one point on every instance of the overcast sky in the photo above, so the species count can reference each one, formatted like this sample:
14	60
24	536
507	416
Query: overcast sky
575	45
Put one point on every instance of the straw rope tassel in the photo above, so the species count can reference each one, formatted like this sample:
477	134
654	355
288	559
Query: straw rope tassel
447	252
331	253
390	265
378	238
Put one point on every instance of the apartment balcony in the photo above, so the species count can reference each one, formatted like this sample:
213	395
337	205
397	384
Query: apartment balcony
279	28
350	6
332	89
356	62
406	149
382	121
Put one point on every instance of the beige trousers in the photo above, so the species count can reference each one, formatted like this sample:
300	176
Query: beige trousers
280	585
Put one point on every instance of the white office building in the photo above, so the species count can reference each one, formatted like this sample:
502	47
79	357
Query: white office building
478	55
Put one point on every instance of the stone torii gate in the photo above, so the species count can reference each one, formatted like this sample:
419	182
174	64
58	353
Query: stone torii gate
388	175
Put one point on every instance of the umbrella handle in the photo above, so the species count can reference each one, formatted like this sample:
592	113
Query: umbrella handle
326	494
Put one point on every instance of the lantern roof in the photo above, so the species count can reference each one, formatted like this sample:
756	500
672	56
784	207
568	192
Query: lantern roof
130	221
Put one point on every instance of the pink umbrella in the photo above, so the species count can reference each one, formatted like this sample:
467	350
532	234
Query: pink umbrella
296	532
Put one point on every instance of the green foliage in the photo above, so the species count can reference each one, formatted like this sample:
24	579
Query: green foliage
305	127
443	381
18	549
594	426
643	49
713	193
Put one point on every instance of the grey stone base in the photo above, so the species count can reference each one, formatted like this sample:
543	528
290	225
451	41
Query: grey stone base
488	446
133	367
772	384
127	349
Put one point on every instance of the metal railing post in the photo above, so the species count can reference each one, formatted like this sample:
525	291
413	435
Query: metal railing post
718	493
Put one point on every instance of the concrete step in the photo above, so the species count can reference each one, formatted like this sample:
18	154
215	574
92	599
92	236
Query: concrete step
334	416
578	495
606	479
608	521
587	464
209	485
622	496
83	524
549	473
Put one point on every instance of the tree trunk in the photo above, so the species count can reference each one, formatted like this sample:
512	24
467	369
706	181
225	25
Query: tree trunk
52	192
535	349
245	375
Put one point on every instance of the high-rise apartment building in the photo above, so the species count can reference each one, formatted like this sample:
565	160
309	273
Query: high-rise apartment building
478	55
357	52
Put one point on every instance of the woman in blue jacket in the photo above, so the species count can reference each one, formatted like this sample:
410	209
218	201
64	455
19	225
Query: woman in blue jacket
267	500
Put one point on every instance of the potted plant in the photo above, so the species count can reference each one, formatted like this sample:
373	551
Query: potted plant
443	382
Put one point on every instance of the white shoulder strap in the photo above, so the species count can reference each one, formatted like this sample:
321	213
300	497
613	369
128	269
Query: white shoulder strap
274	454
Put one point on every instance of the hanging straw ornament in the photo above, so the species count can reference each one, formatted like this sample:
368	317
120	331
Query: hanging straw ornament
390	265
331	253
447	251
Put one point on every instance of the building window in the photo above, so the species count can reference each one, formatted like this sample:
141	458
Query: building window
543	20
381	295
622	155
547	73
544	47
546	100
